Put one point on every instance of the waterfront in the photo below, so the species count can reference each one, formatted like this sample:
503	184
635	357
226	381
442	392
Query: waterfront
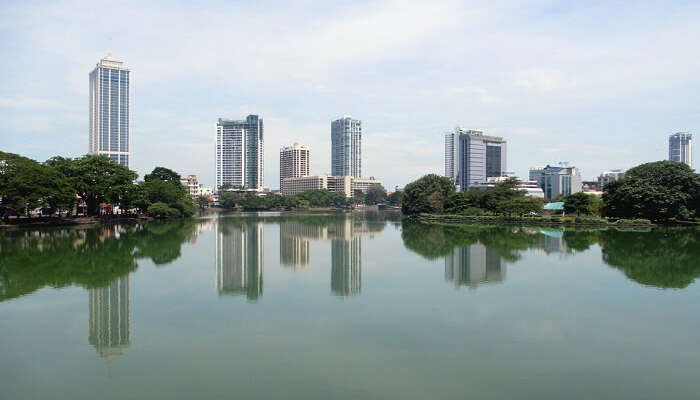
348	306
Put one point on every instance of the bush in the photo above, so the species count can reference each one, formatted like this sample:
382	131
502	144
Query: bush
568	220
162	210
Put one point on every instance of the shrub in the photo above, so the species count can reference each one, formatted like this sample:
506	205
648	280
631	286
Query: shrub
162	210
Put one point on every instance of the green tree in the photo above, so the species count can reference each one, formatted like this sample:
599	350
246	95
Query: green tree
492	198
520	206
98	179
658	191
461	202
426	195
163	174
203	202
375	194
580	203
394	198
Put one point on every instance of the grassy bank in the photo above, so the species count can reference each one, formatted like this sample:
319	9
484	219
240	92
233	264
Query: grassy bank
530	220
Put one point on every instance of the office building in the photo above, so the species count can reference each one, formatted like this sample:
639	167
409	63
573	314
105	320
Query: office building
480	157
110	318
342	184
346	147
240	153
294	162
452	154
531	188
109	111
680	148
562	180
607	177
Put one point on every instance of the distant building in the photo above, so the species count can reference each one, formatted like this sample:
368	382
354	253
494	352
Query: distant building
346	147
680	148
109	111
342	184
480	157
191	183
294	162
531	188
609	176
362	184
557	181
452	154
240	153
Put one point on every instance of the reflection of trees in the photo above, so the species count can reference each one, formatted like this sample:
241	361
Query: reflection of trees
91	257
665	258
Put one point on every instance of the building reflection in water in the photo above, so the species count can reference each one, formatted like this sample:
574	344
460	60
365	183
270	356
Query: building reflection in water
474	265
110	319
552	241
239	258
344	235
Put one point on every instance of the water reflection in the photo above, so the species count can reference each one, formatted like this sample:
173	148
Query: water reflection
239	257
662	257
110	318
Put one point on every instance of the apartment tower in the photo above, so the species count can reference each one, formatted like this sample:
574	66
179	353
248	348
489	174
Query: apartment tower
294	162
240	153
346	147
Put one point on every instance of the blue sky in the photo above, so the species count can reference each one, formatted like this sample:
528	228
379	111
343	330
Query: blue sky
598	84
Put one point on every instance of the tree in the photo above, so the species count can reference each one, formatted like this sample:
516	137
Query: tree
375	194
492	198
658	191
394	198
580	203
460	202
163	174
203	202
97	179
426	195
520	206
358	197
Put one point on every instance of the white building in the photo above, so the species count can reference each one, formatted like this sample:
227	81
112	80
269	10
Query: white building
191	183
109	111
294	162
680	148
532	188
452	154
240	153
346	147
362	184
557	181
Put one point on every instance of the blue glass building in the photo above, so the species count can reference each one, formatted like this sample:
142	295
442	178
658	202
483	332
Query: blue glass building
109	111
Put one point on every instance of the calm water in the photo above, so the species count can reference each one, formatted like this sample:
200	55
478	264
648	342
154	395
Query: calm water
354	306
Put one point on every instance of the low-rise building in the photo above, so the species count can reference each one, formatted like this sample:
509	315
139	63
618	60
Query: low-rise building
556	181
362	184
296	185
609	176
191	183
532	188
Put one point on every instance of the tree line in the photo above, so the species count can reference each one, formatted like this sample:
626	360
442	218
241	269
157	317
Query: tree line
58	184
660	191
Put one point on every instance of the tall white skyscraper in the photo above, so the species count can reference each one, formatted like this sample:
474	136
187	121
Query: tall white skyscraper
240	153
680	148
109	110
346	147
294	162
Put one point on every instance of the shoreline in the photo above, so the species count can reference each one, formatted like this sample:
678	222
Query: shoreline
557	221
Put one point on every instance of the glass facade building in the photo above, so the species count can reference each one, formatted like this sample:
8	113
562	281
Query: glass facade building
109	111
479	157
240	153
346	147
680	148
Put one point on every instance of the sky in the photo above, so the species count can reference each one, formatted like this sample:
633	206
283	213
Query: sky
598	84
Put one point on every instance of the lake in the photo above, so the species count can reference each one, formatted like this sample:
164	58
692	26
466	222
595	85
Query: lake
348	306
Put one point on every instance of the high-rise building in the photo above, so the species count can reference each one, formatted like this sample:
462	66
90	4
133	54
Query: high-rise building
110	318
109	111
294	162
557	181
240	153
346	147
452	154
480	157
680	148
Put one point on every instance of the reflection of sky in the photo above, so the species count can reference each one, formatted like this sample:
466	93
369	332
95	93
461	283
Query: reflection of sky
555	329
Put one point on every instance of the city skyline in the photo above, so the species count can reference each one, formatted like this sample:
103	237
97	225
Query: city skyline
553	84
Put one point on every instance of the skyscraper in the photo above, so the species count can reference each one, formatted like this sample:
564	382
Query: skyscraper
452	154
109	111
480	157
680	148
240	153
294	162
346	147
